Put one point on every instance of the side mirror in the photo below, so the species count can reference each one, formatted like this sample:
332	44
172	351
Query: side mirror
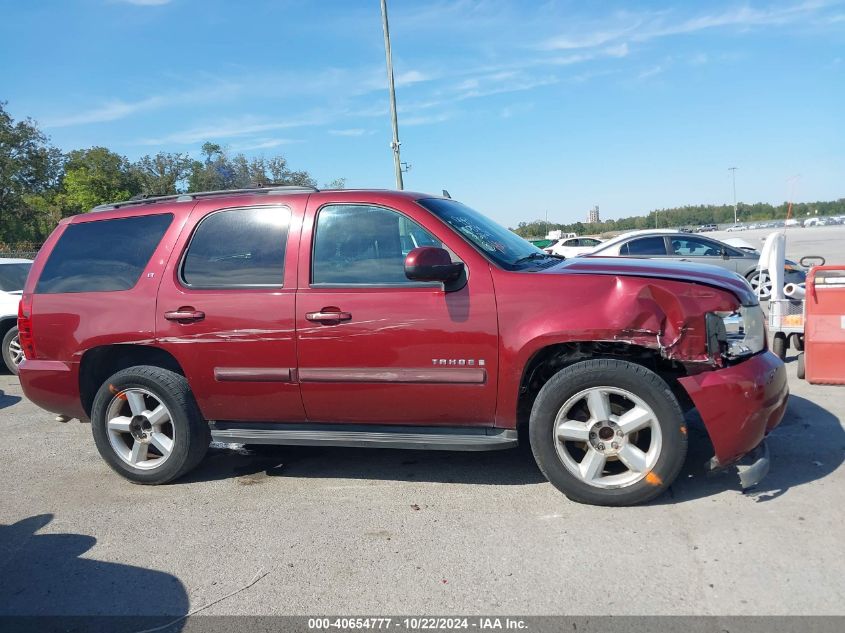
725	254
427	263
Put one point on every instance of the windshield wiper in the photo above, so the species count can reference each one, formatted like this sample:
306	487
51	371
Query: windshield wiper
533	256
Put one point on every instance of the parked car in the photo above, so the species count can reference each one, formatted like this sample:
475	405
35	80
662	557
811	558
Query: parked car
735	227
573	246
13	274
706	228
679	247
291	316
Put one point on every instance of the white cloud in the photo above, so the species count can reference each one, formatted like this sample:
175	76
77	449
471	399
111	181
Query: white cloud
244	126
146	3
357	131
651	72
263	144
585	40
411	77
425	120
115	109
111	111
647	26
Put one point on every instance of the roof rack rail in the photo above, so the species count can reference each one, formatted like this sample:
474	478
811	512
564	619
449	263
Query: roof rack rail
269	189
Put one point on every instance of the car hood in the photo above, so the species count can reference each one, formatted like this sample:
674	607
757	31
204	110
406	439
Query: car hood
676	271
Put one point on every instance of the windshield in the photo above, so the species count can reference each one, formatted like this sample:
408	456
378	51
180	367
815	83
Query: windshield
13	276
505	248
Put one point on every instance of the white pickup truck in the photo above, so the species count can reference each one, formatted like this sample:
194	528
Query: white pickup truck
13	274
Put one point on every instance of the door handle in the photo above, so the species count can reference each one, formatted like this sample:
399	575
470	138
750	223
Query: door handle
328	316
184	315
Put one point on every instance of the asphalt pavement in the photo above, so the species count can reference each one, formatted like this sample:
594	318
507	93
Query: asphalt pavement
357	531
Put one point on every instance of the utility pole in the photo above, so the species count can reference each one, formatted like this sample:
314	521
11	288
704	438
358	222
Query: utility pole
733	176
397	162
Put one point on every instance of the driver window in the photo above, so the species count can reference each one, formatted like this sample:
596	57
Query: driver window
364	245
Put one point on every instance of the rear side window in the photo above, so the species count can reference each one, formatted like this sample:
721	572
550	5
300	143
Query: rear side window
644	246
237	248
102	256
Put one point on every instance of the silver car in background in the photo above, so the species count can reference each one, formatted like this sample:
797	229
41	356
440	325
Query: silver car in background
683	247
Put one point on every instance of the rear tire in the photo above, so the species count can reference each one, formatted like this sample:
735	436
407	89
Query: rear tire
147	425
624	423
779	345
12	350
798	342
800	369
761	283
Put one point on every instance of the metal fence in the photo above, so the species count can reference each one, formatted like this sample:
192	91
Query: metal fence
22	250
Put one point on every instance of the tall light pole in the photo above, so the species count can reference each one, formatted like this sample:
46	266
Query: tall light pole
733	176
397	163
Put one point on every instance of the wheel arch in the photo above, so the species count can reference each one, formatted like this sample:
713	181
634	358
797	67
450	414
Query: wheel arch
98	363
550	359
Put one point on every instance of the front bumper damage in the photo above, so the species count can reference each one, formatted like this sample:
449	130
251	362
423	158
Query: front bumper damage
739	405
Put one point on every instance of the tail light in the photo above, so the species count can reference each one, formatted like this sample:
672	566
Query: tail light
25	336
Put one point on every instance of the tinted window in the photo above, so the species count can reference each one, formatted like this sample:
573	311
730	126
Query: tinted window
238	247
587	241
364	245
644	246
13	276
497	243
690	246
103	255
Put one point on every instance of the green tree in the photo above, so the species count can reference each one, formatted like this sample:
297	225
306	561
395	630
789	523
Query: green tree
337	183
217	170
29	174
96	176
162	174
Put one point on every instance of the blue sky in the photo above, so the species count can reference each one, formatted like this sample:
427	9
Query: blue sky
518	108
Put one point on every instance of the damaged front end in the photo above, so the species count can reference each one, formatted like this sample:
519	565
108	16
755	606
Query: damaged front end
714	329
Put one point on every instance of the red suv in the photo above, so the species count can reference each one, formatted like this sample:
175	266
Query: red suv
389	319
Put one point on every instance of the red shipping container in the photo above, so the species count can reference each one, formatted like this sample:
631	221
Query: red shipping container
824	326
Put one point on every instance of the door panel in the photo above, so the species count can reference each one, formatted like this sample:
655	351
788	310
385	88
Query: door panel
408	353
239	350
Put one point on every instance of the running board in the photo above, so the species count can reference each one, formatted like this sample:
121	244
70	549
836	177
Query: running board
368	436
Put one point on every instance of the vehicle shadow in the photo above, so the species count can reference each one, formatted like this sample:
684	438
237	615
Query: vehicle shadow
46	584
808	445
506	467
7	400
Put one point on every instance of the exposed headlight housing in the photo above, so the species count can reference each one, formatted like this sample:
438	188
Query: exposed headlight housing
735	335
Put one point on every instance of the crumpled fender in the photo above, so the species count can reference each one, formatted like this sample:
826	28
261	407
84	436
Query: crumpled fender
539	310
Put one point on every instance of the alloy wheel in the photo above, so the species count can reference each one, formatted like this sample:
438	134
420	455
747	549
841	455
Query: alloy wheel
761	283
16	351
140	428
607	437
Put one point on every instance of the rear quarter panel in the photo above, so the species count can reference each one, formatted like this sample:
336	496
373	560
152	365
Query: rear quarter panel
66	325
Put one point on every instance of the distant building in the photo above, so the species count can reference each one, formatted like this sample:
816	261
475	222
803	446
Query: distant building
593	215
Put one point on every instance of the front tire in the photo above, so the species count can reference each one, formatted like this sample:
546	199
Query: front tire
147	426
608	432
12	350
